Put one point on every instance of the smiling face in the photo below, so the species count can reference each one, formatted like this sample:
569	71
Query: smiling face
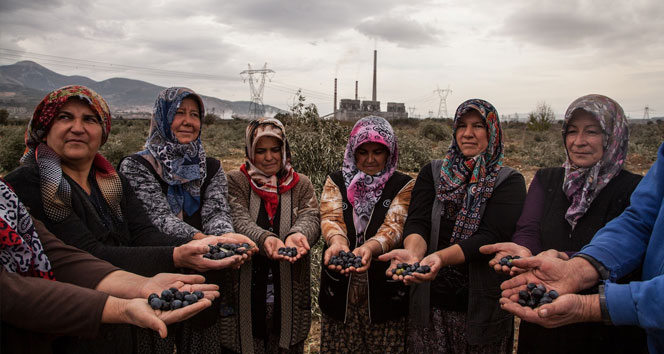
267	155
471	134
371	158
187	121
75	133
584	140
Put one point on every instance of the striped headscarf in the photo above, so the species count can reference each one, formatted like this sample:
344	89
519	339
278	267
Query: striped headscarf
466	183
582	185
21	251
55	190
181	166
267	187
362	190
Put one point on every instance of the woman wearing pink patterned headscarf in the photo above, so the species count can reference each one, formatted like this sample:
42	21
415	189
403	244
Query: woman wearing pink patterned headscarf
566	206
363	208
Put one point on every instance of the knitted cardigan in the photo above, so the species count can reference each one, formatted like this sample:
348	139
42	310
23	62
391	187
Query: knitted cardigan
295	286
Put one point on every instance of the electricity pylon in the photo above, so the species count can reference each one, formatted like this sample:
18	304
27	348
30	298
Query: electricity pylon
442	106
256	108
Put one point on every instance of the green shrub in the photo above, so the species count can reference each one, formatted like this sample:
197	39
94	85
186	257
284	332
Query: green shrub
435	130
12	146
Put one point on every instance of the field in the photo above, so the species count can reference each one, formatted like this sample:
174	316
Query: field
318	145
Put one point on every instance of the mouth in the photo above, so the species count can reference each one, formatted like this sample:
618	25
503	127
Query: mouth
76	141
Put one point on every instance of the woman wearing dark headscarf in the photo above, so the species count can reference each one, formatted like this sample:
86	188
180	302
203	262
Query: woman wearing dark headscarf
458	204
276	207
363	208
183	192
566	206
76	192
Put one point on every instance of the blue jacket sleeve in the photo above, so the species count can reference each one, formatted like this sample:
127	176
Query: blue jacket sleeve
621	245
633	239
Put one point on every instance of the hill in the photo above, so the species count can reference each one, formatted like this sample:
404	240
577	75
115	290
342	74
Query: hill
24	84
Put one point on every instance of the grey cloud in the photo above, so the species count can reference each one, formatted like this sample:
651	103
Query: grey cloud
312	18
404	32
606	25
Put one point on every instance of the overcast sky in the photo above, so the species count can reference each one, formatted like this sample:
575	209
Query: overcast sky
513	53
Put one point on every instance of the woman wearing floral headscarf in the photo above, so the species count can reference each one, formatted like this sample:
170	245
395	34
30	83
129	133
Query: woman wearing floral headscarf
75	191
363	208
566	206
275	207
458	204
184	193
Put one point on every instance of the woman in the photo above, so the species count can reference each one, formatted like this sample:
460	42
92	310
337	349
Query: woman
184	193
366	313
467	200
275	207
566	206
86	293
87	204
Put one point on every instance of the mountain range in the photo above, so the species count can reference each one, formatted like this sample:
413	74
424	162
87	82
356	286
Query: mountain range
25	83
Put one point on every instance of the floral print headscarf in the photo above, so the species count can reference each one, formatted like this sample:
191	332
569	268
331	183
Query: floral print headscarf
181	166
267	187
363	190
55	190
21	251
582	185
466	183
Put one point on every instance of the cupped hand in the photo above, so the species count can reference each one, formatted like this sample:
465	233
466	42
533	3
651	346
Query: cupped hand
299	241
395	257
163	281
566	309
272	246
190	255
139	313
235	238
366	254
333	250
434	261
504	249
553	272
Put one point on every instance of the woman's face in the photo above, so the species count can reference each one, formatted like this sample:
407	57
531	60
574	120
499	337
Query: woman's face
187	121
471	134
371	158
75	133
584	140
267	155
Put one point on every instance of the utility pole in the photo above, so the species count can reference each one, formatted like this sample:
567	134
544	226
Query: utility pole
256	108
442	106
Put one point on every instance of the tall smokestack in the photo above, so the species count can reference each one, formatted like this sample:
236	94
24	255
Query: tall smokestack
355	89
373	96
335	95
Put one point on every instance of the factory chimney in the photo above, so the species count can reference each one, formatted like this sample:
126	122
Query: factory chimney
355	89
334	109
373	96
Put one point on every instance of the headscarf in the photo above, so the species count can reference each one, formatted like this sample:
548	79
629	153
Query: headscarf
363	190
55	190
466	183
267	187
582	185
181	166
21	251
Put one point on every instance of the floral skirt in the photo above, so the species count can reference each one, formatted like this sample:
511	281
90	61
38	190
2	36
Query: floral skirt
358	335
446	334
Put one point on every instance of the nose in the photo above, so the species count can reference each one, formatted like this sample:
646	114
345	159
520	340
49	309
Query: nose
467	131
371	158
77	125
579	139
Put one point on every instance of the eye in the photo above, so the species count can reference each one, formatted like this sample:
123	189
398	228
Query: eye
63	116
195	114
361	152
260	151
276	149
91	119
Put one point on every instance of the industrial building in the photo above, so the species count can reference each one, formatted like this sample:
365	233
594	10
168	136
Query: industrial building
354	109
